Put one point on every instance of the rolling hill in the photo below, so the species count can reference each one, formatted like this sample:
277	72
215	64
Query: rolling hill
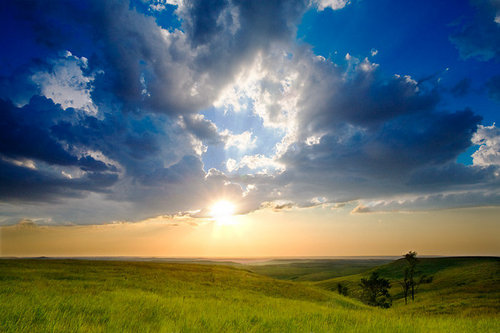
109	296
467	285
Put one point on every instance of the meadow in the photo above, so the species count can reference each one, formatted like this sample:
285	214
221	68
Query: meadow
126	296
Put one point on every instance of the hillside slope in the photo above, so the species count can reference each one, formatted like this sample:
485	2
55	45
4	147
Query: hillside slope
467	285
314	269
98	296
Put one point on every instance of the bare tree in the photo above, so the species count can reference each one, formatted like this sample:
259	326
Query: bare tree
405	284
409	283
411	258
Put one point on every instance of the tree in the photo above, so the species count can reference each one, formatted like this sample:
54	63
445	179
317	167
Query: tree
342	289
376	291
405	284
409	283
411	258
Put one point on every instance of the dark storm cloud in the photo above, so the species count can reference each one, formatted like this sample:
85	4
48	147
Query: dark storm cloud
137	143
451	175
479	37
375	126
19	183
202	128
399	146
201	20
368	101
26	133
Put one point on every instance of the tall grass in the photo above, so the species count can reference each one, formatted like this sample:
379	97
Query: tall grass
92	296
465	286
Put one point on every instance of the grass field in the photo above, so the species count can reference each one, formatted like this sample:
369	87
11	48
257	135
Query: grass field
96	296
314	269
469	285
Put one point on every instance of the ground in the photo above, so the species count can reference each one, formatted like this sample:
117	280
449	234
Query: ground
97	296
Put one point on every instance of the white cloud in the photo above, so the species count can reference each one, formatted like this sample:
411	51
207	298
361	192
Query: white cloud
318	201
359	209
160	5
256	162
249	188
67	84
488	139
23	162
333	4
243	141
269	87
368	66
231	165
313	140
409	203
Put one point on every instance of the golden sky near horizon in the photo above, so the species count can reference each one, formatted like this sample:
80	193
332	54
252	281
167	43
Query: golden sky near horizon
318	231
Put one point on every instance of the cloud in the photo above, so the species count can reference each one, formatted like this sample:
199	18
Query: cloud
243	141
278	205
141	136
438	201
24	184
342	131
202	128
364	135
372	125
333	4
66	84
479	37
26	134
361	209
26	224
257	162
488	139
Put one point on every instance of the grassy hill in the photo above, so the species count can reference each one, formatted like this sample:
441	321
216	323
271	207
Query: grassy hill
102	296
314	269
468	285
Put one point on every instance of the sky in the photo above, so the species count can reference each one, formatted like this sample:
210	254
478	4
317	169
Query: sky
328	127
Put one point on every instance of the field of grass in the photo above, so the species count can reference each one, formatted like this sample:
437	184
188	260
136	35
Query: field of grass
314	269
102	296
468	285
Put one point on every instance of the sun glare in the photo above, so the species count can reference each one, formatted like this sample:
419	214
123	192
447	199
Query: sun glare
222	209
223	213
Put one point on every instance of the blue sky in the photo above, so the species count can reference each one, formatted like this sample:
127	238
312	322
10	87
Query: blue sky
119	111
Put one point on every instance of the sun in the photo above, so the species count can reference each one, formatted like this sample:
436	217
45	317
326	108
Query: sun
223	213
222	209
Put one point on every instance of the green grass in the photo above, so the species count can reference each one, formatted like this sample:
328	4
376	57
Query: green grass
314	269
107	296
468	285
